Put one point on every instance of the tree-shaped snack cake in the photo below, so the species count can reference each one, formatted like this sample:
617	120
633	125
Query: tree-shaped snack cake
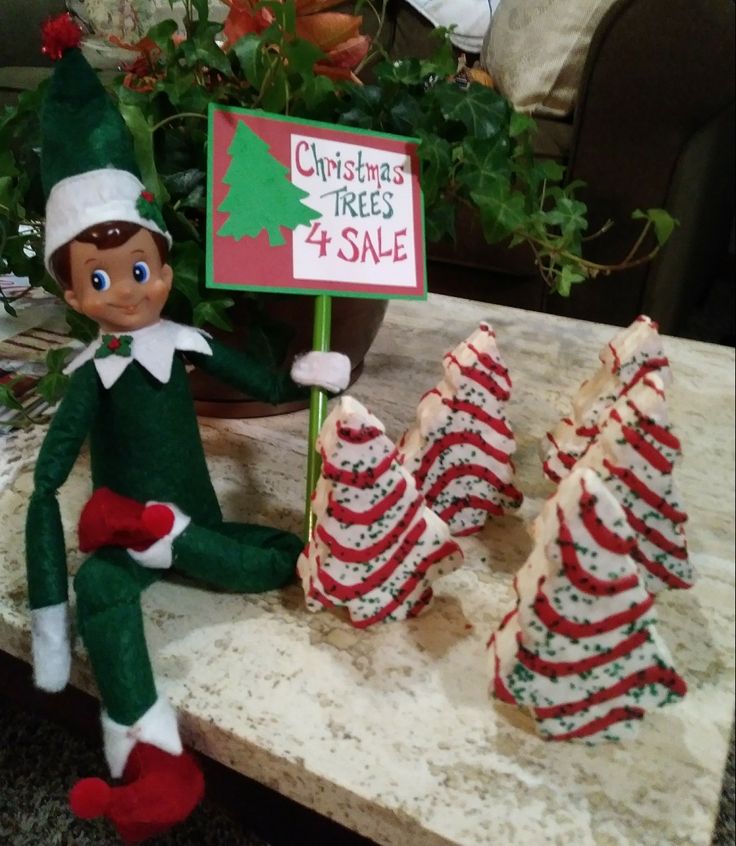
375	547
459	450
633	352
580	651
634	455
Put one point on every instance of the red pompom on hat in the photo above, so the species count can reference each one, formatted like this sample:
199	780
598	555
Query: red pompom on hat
60	34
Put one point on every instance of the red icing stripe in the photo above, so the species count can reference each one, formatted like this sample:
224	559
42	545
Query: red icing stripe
496	423
567	628
568	668
660	571
645	493
641	678
455	439
366	518
587	431
648	452
650	384
356	478
500	691
364	554
660	433
550	473
648	367
616	715
491	364
358	436
480	472
600	533
476	502
655	537
378	576
566	460
580	578
483	379
409	585
616	359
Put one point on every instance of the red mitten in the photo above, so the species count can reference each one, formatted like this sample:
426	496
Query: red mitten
109	519
159	791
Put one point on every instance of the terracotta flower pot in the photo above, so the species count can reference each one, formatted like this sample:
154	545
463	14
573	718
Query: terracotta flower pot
355	323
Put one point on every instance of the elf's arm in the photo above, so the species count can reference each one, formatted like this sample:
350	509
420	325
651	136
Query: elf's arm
242	370
45	546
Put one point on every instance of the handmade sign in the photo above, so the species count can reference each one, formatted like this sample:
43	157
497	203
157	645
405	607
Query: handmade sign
311	208
304	207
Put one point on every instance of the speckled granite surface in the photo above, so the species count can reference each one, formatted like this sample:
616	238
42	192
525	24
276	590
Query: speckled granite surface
390	731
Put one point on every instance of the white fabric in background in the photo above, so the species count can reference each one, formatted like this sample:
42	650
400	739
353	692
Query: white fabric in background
470	18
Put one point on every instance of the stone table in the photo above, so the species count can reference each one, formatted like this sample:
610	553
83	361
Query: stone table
390	731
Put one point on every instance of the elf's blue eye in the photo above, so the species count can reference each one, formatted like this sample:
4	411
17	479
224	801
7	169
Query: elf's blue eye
100	280
141	273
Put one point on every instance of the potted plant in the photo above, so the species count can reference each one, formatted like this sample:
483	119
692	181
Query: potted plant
298	57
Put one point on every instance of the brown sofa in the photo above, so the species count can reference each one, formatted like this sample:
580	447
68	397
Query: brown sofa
653	127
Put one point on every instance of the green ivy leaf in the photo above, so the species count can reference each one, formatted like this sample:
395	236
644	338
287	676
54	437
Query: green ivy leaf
521	124
161	33
439	221
81	327
249	52
407	115
662	221
485	166
8	398
52	386
435	154
301	55
569	215
502	212
568	276
482	111
56	359
214	313
186	261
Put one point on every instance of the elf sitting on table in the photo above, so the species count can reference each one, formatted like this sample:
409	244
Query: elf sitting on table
153	508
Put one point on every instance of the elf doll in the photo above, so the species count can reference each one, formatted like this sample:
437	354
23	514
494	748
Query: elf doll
153	509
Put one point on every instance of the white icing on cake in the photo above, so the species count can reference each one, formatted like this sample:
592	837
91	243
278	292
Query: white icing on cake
459	450
581	651
375	547
633	352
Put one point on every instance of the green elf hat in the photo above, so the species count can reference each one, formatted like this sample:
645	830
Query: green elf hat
88	167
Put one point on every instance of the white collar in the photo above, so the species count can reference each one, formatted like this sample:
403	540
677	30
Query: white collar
153	347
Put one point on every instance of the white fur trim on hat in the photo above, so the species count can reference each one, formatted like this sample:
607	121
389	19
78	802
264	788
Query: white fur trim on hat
86	199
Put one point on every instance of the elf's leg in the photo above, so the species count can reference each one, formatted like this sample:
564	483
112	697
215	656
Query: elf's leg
236	556
141	738
241	557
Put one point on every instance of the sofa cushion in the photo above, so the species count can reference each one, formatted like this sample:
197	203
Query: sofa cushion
536	52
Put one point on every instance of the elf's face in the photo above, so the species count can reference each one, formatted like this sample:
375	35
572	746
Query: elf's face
123	288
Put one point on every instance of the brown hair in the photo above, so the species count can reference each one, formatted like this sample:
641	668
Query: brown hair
105	236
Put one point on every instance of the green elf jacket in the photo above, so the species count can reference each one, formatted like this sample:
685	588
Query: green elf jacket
132	399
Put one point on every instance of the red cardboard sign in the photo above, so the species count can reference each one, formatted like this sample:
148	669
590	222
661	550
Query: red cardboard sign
304	207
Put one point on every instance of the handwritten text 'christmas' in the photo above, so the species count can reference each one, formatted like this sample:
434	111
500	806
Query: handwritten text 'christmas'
364	197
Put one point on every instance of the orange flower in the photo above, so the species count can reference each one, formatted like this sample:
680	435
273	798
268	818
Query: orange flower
336	34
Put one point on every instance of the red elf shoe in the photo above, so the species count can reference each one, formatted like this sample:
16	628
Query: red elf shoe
109	519
159	790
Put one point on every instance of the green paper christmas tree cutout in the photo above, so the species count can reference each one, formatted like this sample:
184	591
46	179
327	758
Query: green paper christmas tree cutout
261	196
